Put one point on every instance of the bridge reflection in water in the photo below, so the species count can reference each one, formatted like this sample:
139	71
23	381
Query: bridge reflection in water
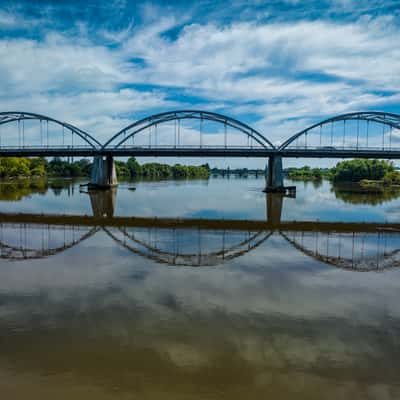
201	242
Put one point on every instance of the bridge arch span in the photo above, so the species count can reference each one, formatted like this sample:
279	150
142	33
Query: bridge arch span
390	120
7	117
154	120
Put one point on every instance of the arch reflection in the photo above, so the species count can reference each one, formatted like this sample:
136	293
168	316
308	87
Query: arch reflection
21	241
356	251
188	247
203	243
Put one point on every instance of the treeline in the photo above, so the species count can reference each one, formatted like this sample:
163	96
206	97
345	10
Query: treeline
358	170
16	166
133	169
364	169
307	173
26	167
37	166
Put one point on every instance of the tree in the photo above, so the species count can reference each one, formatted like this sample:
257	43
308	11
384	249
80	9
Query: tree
356	170
134	167
122	169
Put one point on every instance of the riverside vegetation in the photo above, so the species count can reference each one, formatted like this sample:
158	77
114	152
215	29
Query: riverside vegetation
367	173
14	167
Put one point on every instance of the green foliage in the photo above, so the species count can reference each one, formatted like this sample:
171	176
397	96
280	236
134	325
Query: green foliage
60	168
359	169
38	162
38	171
156	171
25	167
391	178
182	171
14	166
355	193
307	173
18	189
160	171
134	167
122	169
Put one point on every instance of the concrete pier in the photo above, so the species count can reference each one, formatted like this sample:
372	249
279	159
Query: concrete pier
274	175
104	175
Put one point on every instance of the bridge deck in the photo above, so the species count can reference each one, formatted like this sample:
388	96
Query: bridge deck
247	225
87	151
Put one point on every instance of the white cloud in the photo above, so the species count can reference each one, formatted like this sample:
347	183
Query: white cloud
207	56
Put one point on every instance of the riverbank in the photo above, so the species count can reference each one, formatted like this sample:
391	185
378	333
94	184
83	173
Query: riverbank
23	167
378	184
367	173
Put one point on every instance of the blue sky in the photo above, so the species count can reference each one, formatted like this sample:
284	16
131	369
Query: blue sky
277	65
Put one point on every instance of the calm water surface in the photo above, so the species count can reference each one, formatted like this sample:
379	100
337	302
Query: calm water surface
149	312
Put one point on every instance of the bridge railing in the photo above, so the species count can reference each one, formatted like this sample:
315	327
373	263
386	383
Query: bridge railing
336	148
45	146
185	146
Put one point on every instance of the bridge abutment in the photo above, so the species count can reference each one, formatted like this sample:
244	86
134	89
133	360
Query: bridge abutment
103	175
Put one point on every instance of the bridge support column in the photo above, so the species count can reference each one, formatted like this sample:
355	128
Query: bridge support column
274	175
104	175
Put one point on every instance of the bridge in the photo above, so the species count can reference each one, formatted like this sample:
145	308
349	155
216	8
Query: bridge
196	133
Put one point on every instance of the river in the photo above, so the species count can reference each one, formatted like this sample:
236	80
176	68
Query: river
213	291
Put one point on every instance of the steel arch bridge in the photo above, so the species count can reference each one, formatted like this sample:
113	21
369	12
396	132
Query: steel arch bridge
187	133
341	137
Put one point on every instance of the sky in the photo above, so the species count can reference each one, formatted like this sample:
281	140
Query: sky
277	65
